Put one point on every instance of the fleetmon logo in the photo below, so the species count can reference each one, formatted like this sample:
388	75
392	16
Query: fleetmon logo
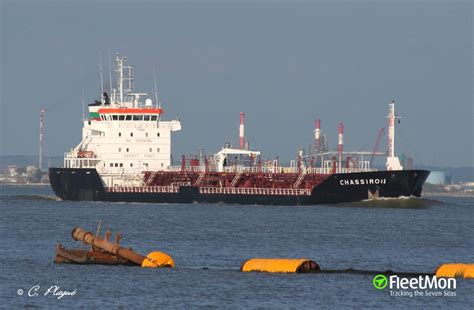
380	281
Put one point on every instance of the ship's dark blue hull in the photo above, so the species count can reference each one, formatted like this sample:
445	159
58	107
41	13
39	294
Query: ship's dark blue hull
86	184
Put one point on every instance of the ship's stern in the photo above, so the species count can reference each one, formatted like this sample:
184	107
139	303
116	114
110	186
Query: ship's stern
75	184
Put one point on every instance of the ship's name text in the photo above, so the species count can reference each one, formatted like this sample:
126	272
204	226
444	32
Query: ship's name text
363	182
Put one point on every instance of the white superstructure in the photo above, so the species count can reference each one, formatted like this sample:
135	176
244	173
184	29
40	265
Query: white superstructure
124	134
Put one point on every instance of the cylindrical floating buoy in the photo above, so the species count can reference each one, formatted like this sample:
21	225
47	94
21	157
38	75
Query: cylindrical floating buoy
469	272
465	271
289	265
158	259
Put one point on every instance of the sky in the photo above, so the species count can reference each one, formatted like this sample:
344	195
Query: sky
283	63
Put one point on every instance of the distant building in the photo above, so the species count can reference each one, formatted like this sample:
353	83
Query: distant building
12	171
438	178
33	174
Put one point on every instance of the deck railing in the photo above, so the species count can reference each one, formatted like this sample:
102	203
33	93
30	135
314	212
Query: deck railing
213	190
254	191
143	189
71	161
279	169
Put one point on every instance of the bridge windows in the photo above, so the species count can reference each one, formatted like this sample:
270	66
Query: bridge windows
125	117
128	117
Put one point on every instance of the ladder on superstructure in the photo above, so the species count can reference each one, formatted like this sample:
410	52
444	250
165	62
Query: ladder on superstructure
201	177
236	178
300	178
151	178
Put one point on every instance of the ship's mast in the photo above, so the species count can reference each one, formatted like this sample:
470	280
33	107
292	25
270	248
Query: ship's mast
41	134
317	135
393	163
391	129
101	80
156	89
119	72
157	101
124	77
110	80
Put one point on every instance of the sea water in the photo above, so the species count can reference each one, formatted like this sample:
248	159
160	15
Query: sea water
209	243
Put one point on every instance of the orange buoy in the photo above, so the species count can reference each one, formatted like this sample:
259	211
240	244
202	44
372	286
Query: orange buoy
288	265
457	270
469	272
158	259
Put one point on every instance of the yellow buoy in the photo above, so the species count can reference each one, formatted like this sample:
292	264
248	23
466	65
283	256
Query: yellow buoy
158	259
455	271
288	265
469	272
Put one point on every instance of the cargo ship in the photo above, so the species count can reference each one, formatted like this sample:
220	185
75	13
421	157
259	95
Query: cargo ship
125	156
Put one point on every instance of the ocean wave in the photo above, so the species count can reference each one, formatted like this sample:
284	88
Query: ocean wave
402	202
29	197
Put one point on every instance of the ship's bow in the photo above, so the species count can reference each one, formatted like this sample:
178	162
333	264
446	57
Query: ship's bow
348	187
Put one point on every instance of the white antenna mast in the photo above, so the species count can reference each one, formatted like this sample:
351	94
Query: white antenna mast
110	77
156	95
156	90
83	108
40	159
119	71
101	79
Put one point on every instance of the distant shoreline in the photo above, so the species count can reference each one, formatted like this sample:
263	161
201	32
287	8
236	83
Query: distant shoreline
441	194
